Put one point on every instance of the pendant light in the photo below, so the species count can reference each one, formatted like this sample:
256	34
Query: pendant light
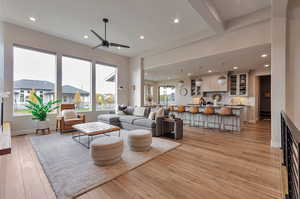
199	80
222	79
181	82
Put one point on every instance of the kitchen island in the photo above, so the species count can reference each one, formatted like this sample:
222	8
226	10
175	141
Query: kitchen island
214	121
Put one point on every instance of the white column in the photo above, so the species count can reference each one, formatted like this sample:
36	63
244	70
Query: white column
278	67
93	83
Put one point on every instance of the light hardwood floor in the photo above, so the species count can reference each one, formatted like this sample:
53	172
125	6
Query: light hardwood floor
209	165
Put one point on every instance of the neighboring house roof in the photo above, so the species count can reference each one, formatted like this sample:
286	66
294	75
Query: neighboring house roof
111	77
28	84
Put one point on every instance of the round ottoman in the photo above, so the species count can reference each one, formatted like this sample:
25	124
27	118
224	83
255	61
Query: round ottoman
106	150
139	140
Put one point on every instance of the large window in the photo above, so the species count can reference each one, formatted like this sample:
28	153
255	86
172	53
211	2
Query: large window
166	95
34	71
76	83
105	87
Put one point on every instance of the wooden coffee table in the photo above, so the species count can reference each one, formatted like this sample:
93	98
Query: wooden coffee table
92	129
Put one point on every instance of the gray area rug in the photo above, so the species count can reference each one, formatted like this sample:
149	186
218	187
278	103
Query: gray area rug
70	170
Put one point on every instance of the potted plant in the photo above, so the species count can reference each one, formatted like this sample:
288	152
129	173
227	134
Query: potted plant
40	110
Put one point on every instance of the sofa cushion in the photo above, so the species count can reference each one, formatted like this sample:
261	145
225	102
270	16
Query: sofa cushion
69	114
139	111
110	118
129	110
145	123
128	118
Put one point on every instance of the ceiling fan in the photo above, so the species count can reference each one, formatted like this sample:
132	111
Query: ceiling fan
106	43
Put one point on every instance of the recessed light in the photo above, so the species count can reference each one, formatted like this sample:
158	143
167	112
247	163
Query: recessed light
189	74
32	19
209	71
169	77
264	55
119	47
267	65
85	36
235	67
176	20
142	37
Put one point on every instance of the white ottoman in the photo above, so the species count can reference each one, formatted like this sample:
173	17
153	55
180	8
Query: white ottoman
139	140
106	150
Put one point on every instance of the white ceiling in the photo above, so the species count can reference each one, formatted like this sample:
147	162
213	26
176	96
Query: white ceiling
244	59
230	9
72	19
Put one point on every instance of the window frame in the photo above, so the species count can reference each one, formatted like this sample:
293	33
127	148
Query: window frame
39	50
116	84
91	80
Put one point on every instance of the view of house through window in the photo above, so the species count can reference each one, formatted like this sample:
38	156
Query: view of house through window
166	95
76	83
105	87
34	71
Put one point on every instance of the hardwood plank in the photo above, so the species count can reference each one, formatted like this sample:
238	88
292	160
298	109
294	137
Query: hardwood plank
208	165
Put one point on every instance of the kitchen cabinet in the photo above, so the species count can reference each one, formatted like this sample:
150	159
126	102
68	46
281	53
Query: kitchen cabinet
210	84
238	84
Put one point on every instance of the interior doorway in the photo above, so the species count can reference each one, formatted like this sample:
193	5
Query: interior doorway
265	97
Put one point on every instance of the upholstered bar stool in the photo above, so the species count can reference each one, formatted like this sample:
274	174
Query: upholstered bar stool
227	119
181	112
211	118
194	112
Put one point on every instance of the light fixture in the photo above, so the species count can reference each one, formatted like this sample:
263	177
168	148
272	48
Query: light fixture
181	83
176	20
142	37
169	78
119	47
189	74
264	55
267	65
235	68
221	80
209	71
32	19
198	82
85	36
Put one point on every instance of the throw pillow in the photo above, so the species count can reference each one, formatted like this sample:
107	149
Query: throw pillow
69	114
120	112
139	111
160	113
152	116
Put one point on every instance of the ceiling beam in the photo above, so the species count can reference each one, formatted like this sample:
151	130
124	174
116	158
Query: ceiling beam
208	12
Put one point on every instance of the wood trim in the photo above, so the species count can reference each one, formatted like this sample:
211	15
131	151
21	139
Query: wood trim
5	139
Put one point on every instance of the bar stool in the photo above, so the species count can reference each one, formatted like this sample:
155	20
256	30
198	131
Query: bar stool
181	112
225	115
211	117
194	111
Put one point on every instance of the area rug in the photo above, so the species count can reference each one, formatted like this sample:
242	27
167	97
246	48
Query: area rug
70	170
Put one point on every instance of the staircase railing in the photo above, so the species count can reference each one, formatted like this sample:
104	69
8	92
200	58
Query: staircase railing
290	143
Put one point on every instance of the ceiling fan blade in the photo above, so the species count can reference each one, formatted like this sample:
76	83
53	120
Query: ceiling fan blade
96	34
97	46
119	45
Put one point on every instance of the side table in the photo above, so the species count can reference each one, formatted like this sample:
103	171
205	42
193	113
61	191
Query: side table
173	128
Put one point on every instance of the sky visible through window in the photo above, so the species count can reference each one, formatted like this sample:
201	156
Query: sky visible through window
29	64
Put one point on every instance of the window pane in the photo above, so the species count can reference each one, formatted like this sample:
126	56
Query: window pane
166	95
76	83
34	71
105	87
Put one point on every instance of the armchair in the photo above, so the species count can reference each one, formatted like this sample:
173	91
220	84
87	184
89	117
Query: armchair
68	117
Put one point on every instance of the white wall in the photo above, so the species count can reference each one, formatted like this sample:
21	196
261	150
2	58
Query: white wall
23	36
293	62
1	56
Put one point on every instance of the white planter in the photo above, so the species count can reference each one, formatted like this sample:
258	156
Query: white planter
42	124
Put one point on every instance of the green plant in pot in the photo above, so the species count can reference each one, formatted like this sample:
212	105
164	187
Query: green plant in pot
40	110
